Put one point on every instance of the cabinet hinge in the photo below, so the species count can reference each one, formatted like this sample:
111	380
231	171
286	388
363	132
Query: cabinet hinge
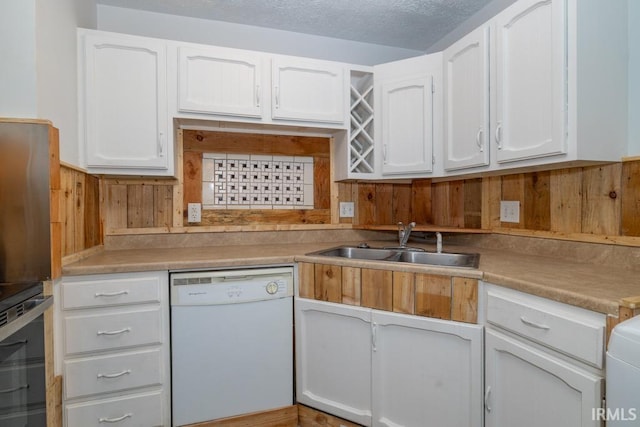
433	87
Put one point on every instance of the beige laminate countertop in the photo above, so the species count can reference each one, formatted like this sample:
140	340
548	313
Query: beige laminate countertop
594	287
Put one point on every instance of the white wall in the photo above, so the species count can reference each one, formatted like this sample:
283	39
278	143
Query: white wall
634	77
18	59
159	25
57	79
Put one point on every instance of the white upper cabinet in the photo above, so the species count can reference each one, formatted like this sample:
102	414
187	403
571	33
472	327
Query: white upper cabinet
466	101
308	90
531	89
408	99
220	81
124	126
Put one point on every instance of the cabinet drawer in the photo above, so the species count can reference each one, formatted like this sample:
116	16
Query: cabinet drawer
137	410
84	377
111	292
112	330
570	330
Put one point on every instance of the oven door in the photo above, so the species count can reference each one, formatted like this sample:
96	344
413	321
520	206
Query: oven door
22	369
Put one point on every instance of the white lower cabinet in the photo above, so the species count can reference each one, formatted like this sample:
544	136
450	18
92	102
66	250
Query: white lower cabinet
386	369
116	350
543	361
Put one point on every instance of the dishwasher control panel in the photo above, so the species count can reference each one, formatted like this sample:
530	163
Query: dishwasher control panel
230	286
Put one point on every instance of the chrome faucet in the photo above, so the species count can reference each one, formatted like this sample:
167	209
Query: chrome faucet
438	242
404	232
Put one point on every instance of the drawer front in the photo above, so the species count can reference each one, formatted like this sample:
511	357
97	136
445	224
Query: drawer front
84	377
565	329
113	330
111	292
139	410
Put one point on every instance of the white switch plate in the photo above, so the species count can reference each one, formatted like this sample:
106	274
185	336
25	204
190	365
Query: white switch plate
194	212
509	211
346	210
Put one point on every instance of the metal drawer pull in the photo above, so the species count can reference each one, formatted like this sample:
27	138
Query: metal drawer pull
115	420
111	294
14	389
533	324
12	343
121	331
119	374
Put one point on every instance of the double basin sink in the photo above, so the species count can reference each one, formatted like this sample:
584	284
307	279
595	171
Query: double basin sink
406	255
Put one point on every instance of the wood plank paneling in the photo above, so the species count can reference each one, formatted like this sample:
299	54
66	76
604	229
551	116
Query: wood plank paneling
402	206
536	205
491	195
377	289
366	204
275	216
307	280
321	183
630	204
384	204
328	282
351	280
433	296
192	180
601	207
255	143
513	190
403	292
565	199
421	197
464	304
472	203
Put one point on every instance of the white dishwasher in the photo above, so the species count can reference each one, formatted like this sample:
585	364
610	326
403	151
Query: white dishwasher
231	342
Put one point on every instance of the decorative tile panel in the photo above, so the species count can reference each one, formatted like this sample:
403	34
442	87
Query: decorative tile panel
236	181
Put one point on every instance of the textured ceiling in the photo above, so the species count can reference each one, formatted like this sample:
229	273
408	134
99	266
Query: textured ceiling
410	24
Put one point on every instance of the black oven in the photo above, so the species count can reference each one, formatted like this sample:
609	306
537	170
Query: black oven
22	355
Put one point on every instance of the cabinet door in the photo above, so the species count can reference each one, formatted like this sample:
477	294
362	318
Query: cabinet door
466	101
308	91
529	388
407	125
426	372
333	359
125	104
216	82
531	89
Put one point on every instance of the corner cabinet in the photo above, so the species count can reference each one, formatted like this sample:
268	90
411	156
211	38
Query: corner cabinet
380	368
124	125
308	90
408	106
220	81
466	101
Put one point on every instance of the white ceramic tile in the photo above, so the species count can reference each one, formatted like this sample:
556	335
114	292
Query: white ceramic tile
207	169
207	193
308	173
302	159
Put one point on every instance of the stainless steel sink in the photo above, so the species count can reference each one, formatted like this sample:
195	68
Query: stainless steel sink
469	260
446	259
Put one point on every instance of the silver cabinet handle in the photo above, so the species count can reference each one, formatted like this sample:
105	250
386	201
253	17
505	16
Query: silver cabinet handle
499	136
161	144
120	331
374	336
533	324
478	143
116	375
487	394
384	153
110	294
257	95
14	389
115	420
277	89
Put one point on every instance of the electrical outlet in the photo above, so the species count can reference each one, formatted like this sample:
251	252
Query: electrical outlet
509	211
346	210
194	212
